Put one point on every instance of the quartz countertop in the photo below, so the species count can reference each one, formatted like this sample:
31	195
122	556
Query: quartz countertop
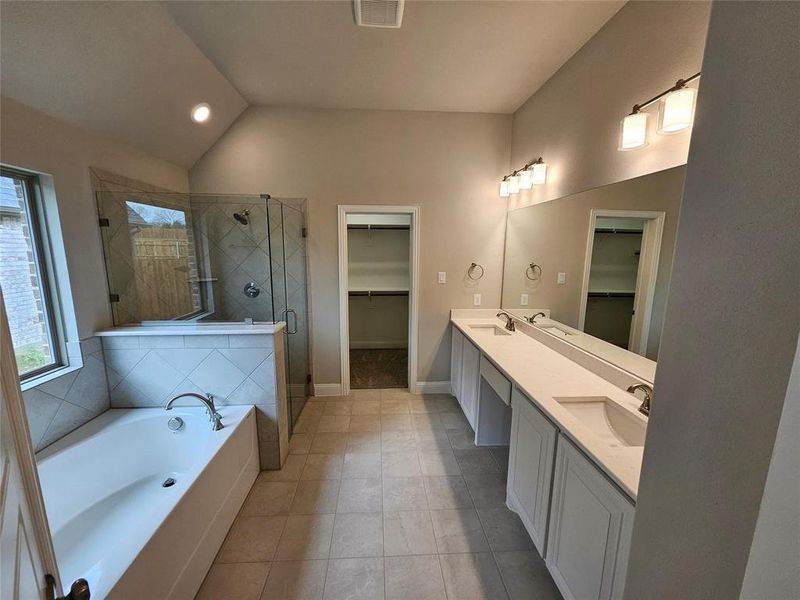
543	374
195	329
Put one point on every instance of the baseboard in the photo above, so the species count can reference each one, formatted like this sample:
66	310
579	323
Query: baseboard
327	389
433	387
378	345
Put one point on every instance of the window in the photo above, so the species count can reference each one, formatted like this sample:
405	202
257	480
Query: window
24	276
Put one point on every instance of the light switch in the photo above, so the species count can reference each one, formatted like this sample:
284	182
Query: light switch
476	299
442	277
523	299
562	278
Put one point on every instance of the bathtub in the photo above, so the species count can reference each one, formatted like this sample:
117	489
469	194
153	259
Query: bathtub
115	524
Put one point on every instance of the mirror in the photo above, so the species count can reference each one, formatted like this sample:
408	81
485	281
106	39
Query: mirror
598	264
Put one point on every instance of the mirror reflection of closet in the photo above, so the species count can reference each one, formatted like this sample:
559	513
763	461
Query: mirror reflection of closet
378	287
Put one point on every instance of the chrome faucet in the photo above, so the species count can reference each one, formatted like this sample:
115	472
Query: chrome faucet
648	397
532	320
208	402
509	321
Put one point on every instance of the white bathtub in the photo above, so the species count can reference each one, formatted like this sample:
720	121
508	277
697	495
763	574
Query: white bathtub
114	523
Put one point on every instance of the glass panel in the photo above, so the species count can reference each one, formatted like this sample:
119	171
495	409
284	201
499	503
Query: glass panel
22	279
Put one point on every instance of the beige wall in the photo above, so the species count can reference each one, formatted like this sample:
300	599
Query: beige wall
447	163
732	324
32	140
572	121
554	235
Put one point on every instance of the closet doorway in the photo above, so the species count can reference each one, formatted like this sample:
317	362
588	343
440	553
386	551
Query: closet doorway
378	264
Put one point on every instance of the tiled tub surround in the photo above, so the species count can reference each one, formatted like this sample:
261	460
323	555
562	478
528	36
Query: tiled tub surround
59	406
237	364
383	496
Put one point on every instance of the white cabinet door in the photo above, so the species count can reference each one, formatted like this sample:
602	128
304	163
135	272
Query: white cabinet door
530	466
590	529
456	345
470	377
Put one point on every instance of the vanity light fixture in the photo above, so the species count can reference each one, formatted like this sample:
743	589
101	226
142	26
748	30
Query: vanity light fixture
201	113
533	173
676	114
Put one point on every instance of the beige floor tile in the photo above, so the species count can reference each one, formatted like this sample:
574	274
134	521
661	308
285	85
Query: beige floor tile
366	407
314	407
398	441
341	407
447	492
360	495
488	490
295	580
404	493
238	581
394	422
357	535
313	497
421	405
461	439
438	463
252	539
328	443
446	404
478	460
526	576
337	423
500	454
394	407
400	464
365	423
458	530
472	577
427	421
361	465
305	537
307	424
323	466
300	443
408	532
268	497
364	441
357	395
455	420
292	468
504	530
417	577
355	579
397	394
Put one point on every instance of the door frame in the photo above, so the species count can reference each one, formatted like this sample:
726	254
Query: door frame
645	278
413	284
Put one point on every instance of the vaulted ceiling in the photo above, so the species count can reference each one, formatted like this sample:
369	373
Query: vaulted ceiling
133	70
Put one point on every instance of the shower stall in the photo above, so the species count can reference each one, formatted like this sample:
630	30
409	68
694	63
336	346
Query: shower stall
199	258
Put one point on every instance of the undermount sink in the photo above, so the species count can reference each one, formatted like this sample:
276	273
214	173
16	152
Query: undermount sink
607	420
489	329
550	328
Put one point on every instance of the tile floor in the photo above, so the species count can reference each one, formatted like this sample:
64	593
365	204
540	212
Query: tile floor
384	496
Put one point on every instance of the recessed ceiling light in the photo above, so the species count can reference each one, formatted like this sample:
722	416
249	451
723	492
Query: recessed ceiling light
201	113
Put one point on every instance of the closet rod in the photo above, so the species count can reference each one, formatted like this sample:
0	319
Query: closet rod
377	293
611	294
379	227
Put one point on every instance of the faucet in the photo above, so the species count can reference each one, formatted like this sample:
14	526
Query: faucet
648	397
532	320
208	402
509	321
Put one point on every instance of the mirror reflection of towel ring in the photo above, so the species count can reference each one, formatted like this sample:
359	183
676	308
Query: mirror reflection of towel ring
533	272
471	271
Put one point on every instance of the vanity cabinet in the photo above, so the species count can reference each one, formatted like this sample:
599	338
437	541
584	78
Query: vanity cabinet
469	387
530	466
590	529
456	347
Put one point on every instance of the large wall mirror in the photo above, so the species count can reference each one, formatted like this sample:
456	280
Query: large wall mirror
599	263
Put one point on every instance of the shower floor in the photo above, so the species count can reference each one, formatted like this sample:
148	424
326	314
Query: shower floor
379	368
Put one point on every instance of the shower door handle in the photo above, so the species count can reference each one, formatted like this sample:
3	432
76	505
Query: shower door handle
286	316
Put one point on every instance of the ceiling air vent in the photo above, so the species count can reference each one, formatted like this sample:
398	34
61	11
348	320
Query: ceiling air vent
378	13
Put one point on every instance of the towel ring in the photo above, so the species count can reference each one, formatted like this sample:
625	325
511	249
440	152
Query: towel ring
471	271
530	272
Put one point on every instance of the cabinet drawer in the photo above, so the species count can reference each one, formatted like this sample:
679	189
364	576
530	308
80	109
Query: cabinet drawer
496	379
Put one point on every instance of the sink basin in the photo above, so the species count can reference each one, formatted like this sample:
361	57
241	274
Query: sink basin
607	420
555	329
489	329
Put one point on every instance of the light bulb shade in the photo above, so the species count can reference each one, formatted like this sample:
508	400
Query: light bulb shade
633	131
504	188
525	179
513	184
539	173
677	110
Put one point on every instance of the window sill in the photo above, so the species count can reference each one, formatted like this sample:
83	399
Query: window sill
75	364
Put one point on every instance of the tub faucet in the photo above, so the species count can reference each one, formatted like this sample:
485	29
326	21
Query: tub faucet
648	397
532	320
509	321
208	402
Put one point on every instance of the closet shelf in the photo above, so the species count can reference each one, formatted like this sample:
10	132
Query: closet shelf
377	292
611	294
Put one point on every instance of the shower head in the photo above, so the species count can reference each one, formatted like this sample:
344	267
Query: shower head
242	217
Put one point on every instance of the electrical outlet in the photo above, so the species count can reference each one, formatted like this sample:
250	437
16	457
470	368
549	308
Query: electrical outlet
442	277
562	278
476	299
523	299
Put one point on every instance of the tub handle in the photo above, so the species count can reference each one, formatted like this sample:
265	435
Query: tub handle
79	590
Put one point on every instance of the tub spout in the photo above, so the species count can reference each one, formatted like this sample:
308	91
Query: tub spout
208	402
